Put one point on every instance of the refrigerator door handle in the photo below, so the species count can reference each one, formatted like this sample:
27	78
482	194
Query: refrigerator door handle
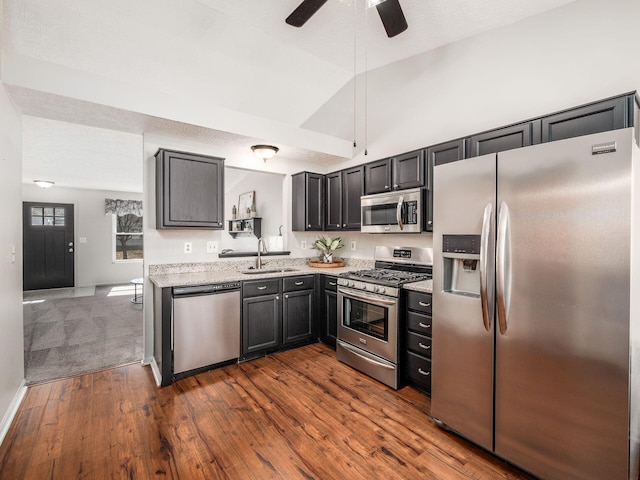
502	267
399	212
487	311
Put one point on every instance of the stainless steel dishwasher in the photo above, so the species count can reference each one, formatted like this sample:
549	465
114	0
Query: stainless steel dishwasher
206	326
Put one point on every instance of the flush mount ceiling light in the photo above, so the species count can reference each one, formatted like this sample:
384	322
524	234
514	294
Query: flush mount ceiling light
44	183
265	152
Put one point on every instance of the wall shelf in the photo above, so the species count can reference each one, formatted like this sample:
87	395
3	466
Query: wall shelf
245	226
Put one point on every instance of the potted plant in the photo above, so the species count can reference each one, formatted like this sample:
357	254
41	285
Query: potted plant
327	246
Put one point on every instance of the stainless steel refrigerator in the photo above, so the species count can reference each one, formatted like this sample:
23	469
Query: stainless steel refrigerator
536	305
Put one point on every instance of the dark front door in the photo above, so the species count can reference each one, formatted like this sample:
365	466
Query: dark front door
48	245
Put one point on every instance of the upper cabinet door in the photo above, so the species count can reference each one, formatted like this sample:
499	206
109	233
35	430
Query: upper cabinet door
352	190
189	190
307	202
334	201
408	170
503	139
594	118
377	176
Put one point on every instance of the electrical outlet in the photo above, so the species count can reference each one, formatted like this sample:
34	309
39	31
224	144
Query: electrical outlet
212	247
13	254
303	245
187	247
353	244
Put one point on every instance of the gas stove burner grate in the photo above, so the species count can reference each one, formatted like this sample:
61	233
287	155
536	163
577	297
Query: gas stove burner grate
388	275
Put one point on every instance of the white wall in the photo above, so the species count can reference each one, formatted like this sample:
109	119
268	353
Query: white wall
93	259
11	338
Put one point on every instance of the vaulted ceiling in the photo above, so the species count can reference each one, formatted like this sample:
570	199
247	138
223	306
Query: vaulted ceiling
272	81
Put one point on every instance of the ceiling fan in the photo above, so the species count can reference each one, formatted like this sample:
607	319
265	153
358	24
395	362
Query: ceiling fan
390	13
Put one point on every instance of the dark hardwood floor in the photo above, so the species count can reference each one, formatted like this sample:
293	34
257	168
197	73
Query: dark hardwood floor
299	414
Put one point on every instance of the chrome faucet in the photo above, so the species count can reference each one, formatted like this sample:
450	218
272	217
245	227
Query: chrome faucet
262	248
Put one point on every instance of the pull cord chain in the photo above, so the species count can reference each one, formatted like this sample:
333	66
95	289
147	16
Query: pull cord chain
355	23
366	68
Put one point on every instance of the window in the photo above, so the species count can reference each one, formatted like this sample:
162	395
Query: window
127	245
47	216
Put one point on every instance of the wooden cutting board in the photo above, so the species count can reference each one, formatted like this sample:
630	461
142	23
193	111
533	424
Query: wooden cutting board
321	264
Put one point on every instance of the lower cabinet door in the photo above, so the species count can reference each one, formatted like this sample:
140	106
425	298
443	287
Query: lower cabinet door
261	327
297	316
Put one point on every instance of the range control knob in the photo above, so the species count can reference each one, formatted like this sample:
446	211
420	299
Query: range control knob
350	284
381	290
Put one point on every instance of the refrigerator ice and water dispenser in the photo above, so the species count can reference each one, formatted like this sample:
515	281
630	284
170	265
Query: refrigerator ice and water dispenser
460	258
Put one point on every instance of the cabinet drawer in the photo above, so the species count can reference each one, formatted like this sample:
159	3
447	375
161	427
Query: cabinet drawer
419	371
419	301
419	323
254	288
291	284
331	283
419	344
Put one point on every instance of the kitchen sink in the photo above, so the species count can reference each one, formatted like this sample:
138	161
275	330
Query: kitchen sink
269	270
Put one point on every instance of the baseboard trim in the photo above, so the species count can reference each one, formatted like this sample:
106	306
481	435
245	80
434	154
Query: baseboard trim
11	412
156	371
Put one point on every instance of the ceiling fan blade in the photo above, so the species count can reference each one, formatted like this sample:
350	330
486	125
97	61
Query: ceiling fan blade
392	17
304	12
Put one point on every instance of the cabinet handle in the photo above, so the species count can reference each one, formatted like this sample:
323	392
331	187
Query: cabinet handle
286	296
422	304
395	186
422	372
430	222
422	345
263	287
386	187
337	225
344	225
333	284
277	297
309	226
425	325
299	283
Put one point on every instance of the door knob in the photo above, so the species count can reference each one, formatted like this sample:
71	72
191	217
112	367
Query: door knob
71	244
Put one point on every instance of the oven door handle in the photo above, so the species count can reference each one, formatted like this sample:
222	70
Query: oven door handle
366	298
351	349
399	212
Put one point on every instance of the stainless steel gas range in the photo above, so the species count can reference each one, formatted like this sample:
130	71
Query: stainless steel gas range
369	310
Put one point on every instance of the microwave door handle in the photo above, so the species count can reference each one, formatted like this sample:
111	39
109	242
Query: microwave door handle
399	212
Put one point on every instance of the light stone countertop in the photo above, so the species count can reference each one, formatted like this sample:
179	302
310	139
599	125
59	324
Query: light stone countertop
183	275
425	286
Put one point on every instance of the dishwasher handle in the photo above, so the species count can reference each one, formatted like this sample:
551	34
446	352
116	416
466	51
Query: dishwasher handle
205	289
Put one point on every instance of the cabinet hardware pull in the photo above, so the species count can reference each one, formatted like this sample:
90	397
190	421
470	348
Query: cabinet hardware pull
344	225
422	345
333	284
299	283
425	325
277	297
263	287
422	372
309	226
286	296
422	304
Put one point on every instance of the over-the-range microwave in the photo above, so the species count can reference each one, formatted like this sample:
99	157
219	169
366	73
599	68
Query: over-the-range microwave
392	212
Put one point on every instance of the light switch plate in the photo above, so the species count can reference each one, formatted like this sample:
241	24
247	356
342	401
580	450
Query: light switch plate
187	247
212	247
353	244
83	239
303	245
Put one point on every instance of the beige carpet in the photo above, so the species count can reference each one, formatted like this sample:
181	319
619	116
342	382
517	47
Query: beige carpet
66	335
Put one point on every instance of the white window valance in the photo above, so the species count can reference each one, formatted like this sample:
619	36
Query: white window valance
123	207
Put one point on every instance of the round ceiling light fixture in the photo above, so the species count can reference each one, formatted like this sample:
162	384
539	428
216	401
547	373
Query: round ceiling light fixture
265	152
44	183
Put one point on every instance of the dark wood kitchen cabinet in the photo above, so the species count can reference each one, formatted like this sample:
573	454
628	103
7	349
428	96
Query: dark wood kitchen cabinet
277	314
395	173
343	192
610	114
307	202
297	309
189	191
328	323
418	337
261	317
505	138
